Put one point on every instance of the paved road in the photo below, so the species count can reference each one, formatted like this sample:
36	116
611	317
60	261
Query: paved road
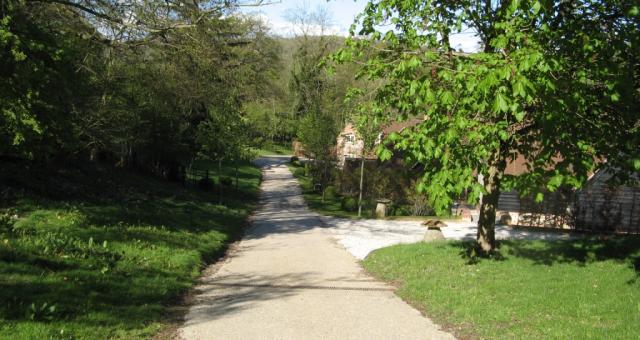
289	279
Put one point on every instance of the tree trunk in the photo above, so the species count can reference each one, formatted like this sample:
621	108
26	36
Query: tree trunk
361	182
486	237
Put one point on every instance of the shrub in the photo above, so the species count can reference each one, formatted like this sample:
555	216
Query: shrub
41	312
299	172
418	201
331	192
294	159
205	184
349	204
307	169
226	181
402	210
7	219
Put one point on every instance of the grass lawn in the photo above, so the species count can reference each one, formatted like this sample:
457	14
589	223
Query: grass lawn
102	253
331	205
274	149
564	290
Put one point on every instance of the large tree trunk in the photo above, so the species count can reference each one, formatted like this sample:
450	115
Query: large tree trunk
361	182
486	237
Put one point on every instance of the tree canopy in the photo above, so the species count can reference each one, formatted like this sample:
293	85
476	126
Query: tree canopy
83	78
556	82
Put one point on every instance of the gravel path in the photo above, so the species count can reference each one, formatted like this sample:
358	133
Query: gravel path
360	237
289	279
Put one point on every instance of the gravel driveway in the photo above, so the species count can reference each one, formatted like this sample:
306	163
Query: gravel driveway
360	237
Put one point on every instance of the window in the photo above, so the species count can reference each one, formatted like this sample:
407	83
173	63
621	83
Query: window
349	138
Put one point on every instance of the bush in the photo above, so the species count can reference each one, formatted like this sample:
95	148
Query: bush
349	204
418	202
307	169
299	172
402	210
226	181
205	184
7	219
294	159
331	192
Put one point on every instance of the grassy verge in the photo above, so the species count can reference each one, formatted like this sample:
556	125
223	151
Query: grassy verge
274	149
564	290
331	206
423	218
101	253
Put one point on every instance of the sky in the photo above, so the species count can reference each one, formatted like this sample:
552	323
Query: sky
342	14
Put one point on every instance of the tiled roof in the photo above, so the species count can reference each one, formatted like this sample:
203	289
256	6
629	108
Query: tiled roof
399	126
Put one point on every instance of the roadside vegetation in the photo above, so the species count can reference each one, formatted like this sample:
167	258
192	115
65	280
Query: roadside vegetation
95	252
579	289
274	149
341	196
332	204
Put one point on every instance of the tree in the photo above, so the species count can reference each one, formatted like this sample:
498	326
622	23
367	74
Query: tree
82	79
368	128
555	81
308	81
41	89
318	132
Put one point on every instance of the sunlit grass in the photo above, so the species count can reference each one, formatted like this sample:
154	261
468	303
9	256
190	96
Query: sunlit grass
274	149
110	266
536	290
330	206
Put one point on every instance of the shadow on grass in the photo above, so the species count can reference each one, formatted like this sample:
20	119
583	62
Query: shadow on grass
622	249
156	235
468	252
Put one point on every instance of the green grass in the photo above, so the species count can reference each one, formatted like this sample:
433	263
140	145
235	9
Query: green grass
331	206
423	218
537	290
274	149
110	250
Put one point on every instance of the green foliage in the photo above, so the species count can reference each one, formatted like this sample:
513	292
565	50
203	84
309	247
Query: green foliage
318	133
349	203
8	218
41	312
520	294
136	98
226	181
299	172
381	180
41	91
552	83
106	266
331	192
327	206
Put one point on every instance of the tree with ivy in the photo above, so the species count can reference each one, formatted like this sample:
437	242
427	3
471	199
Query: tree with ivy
556	82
